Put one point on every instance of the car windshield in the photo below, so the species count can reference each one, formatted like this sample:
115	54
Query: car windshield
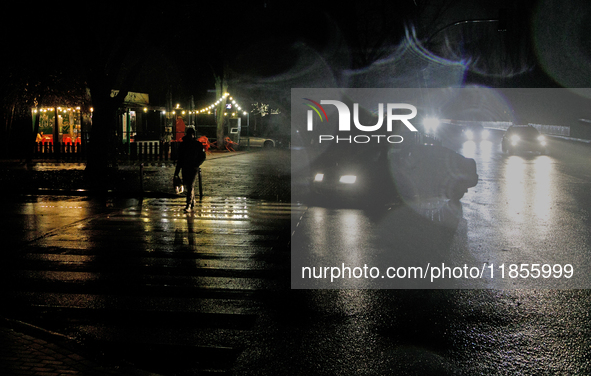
345	154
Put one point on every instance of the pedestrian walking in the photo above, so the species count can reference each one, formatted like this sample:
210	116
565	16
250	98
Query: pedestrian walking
191	156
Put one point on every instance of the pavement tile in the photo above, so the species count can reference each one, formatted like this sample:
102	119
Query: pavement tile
41	369
75	357
23	354
52	362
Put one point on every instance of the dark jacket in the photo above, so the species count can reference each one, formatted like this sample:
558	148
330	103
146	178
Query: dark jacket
191	154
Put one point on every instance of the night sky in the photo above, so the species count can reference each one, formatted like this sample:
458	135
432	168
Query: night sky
267	47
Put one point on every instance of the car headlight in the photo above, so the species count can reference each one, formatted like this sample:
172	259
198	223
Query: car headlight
484	134
431	123
348	179
469	134
319	177
515	138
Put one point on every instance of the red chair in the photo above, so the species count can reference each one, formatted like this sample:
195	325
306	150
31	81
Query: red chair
206	144
229	144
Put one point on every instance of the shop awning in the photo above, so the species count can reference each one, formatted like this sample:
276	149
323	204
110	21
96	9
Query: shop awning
134	99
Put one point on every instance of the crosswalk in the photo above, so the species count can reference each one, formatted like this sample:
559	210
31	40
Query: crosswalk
149	284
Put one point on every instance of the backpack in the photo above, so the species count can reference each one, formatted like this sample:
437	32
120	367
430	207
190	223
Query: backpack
192	153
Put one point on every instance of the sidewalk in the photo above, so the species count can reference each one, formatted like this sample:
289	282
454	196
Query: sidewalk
82	163
28	350
67	177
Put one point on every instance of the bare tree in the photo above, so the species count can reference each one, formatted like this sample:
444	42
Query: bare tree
221	88
112	60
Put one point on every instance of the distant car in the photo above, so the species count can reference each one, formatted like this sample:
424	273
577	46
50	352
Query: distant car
523	138
391	174
257	142
475	132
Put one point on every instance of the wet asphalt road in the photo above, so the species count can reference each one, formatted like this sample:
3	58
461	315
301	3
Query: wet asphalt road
525	209
209	292
141	281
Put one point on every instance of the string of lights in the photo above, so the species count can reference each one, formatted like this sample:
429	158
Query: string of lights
208	109
59	109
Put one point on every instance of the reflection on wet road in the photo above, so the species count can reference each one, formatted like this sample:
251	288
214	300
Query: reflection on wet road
209	291
526	208
32	216
531	209
143	281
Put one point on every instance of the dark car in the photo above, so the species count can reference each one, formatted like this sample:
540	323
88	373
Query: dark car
475	132
523	138
352	175
392	174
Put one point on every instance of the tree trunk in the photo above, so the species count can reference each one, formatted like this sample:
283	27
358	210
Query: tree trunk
102	158
31	150
221	87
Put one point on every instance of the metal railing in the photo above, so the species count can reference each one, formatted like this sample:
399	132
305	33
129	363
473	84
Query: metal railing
555	130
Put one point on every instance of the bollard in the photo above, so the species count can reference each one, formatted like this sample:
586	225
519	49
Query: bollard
200	186
141	177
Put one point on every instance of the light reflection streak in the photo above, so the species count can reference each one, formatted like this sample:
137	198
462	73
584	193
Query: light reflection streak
529	189
543	176
350	226
515	188
349	239
343	238
319	234
486	150
61	207
469	149
216	216
229	212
